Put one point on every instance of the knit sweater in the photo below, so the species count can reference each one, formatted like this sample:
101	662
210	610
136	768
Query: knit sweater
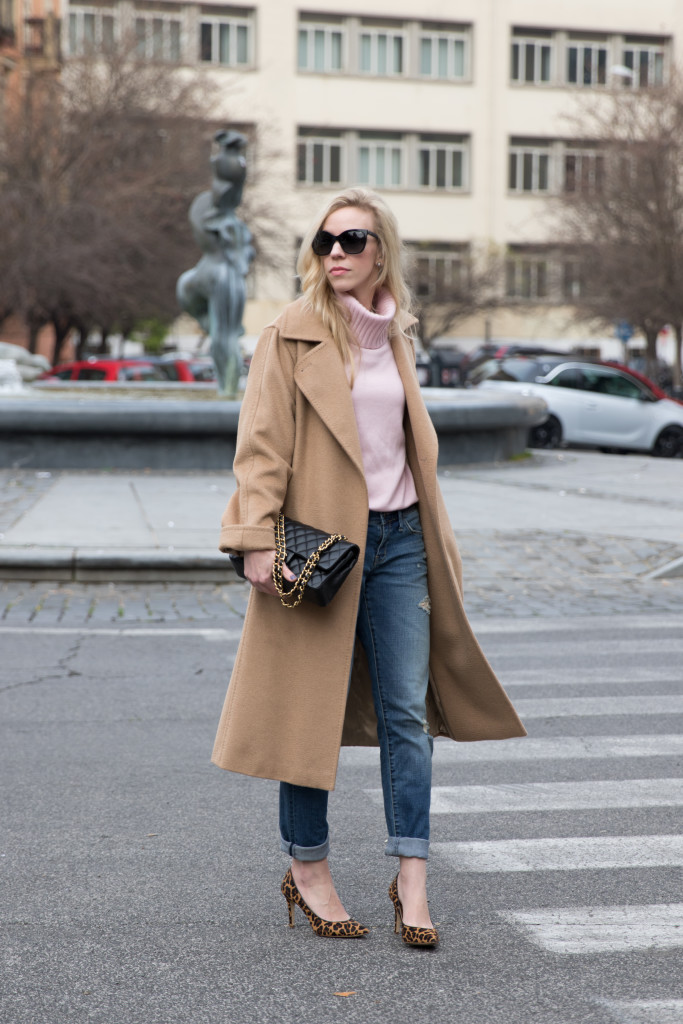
379	404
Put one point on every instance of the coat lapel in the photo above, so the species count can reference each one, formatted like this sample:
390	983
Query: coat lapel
321	377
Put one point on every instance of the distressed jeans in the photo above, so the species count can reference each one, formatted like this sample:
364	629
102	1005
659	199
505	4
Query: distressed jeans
393	627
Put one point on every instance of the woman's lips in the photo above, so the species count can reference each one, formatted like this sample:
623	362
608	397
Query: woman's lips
338	271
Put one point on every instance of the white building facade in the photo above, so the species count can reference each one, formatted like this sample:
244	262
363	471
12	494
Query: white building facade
457	111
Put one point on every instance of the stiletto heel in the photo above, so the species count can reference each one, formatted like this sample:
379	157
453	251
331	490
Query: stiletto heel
326	929
412	935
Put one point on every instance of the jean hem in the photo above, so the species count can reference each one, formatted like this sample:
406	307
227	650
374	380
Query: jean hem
305	852
404	846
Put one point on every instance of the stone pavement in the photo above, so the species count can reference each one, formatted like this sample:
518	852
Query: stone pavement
559	533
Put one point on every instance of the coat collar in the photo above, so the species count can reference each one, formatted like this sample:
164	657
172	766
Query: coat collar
321	377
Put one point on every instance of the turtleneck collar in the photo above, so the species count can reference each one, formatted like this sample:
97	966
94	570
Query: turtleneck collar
371	329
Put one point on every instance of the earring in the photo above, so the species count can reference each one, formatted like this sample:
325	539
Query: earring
379	263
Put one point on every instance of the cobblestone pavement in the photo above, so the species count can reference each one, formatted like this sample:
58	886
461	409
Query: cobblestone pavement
515	574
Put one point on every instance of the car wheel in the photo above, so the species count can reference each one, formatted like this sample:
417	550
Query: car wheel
547	434
669	444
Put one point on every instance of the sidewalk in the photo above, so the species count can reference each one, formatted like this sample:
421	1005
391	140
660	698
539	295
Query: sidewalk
606	510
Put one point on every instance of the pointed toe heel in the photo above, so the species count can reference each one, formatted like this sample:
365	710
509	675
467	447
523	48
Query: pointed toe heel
325	929
412	935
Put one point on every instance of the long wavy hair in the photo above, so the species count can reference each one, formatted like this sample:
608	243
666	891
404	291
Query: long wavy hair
318	293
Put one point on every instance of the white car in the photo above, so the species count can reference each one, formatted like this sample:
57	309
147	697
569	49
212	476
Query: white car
597	405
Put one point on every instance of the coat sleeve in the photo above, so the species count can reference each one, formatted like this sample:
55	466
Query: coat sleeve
265	444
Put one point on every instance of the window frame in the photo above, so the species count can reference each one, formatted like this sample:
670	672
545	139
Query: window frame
539	43
309	142
328	29
375	143
217	20
374	32
168	20
77	16
452	148
454	260
519	152
527	264
595	47
653	50
450	36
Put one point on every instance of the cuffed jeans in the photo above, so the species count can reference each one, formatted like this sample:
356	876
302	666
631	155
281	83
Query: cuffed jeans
393	627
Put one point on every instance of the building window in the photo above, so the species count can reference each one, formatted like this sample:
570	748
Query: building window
443	53
226	39
526	276
92	28
584	170
441	163
587	63
381	52
319	159
529	167
572	279
647	62
380	160
441	272
531	59
157	37
321	46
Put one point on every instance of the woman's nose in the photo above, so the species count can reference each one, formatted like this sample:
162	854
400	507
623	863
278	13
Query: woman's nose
337	250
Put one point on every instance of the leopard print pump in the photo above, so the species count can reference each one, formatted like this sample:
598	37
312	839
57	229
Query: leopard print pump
412	935
326	929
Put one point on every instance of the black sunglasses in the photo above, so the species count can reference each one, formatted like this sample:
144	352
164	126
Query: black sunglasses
352	241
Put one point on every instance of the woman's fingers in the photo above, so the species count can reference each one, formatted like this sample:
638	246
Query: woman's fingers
258	569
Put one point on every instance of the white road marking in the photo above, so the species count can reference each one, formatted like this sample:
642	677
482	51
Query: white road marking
568	676
532	748
123	631
645	1011
552	796
580	707
581	930
580	853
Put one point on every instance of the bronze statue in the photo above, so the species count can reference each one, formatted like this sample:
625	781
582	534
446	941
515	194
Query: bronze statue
214	291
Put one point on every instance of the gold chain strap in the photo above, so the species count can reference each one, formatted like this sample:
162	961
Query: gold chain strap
297	592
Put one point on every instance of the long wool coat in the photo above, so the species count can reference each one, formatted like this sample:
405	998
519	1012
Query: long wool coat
286	712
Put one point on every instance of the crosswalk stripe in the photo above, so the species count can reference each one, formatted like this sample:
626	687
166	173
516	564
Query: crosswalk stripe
581	930
645	1011
552	796
580	853
598	648
536	748
571	676
580	707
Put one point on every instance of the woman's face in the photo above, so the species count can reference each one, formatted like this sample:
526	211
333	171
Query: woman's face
352	275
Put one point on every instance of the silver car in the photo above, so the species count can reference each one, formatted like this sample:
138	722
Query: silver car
594	405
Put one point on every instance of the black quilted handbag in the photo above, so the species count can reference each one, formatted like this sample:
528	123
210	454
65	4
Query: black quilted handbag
320	561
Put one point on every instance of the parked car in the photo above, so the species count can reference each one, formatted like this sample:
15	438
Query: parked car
105	370
594	404
198	369
501	350
446	368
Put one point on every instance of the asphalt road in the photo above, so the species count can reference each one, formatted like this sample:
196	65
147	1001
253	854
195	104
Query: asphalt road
141	884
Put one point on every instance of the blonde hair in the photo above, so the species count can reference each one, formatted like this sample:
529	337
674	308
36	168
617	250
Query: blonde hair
316	288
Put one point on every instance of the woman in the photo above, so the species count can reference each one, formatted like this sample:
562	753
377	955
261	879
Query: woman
334	432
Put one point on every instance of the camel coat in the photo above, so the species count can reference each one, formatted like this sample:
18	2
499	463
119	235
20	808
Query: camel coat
286	712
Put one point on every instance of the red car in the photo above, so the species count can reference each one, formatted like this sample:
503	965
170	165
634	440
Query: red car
106	370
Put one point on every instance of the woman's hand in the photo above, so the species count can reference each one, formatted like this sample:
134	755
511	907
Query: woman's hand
258	568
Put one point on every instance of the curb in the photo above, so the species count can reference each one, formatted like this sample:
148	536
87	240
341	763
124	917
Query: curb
98	565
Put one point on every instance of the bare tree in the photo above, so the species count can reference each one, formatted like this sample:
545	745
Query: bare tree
450	291
623	221
97	170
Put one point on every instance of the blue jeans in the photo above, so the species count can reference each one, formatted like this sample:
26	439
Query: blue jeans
393	627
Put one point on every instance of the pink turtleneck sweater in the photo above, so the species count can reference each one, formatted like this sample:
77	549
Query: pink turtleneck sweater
379	404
